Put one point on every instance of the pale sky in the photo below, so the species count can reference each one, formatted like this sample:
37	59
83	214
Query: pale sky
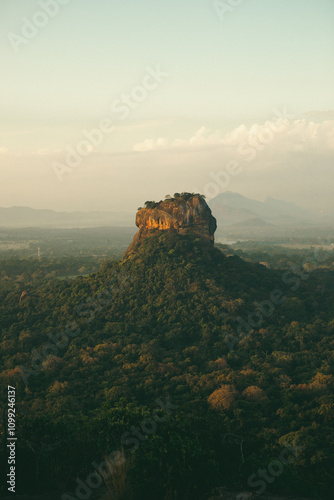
178	88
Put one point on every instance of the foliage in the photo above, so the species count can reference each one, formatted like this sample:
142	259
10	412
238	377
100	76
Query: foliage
157	325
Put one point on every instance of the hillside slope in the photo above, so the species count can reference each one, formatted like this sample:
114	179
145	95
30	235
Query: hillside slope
167	332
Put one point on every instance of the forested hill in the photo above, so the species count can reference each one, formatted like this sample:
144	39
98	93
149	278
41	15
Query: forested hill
224	365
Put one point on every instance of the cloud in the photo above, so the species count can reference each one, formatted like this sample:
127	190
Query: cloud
202	137
285	134
151	145
289	159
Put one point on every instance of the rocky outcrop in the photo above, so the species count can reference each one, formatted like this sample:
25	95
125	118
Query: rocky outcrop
183	214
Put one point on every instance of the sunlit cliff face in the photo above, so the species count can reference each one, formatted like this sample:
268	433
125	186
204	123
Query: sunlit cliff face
162	222
183	215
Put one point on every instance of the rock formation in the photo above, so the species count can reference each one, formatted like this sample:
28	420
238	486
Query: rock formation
183	214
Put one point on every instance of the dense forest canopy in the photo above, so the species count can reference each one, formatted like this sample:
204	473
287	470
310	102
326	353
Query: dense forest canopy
188	365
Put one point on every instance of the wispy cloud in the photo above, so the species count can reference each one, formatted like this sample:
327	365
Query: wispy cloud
289	135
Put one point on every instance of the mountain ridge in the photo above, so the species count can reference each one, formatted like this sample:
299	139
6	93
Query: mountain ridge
233	208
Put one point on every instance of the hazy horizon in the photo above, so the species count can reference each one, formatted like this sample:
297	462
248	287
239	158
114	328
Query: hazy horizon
129	211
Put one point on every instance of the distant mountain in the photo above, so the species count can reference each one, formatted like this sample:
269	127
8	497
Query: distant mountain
237	201
256	222
30	217
291	209
228	216
232	208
